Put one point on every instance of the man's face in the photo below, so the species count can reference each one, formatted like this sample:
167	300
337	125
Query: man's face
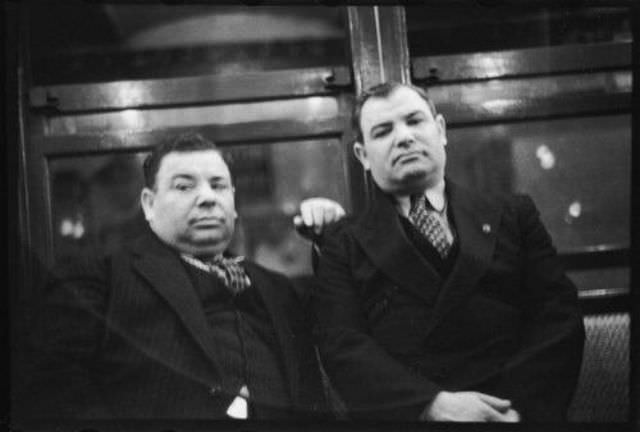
192	205
403	142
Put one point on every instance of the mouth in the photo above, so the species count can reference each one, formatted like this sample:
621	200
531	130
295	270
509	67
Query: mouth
208	222
408	157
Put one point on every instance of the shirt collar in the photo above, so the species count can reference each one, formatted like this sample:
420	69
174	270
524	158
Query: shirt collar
435	196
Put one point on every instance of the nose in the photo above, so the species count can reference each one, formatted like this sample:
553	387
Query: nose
206	196
404	136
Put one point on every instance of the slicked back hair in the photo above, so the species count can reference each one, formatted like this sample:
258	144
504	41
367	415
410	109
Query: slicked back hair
383	90
183	143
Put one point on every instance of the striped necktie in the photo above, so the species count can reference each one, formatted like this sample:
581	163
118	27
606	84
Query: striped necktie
228	270
429	225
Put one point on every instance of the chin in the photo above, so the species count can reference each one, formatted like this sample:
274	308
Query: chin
415	181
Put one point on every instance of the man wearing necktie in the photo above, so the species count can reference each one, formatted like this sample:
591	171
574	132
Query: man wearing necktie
437	303
172	326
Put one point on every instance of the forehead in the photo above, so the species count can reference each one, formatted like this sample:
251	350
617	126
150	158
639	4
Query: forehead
207	163
400	102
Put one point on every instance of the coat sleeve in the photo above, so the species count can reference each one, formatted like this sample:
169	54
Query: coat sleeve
370	381
541	378
66	341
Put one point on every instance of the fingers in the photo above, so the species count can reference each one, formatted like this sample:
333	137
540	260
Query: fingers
512	416
322	215
509	416
501	405
470	406
319	212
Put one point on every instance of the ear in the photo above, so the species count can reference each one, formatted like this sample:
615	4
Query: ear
442	127
361	154
146	201
233	192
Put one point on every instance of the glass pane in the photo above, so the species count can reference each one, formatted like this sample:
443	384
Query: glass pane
476	27
601	279
95	199
578	172
78	41
304	110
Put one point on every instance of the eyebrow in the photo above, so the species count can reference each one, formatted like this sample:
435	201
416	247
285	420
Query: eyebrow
182	176
414	113
388	123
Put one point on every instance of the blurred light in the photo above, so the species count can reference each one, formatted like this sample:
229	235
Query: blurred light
491	66
498	106
289	207
546	157
66	228
71	228
575	209
78	230
132	119
129	93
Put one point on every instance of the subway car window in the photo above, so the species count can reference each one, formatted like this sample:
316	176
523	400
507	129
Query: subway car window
96	199
470	28
566	165
80	41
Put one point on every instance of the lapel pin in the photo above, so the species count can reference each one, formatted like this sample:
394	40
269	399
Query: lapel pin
486	228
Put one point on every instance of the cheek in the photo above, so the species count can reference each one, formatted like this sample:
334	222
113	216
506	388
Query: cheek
175	210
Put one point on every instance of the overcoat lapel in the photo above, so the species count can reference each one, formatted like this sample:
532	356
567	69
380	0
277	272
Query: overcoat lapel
476	221
277	309
163	270
383	239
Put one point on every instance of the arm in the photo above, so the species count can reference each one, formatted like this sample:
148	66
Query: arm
66	341
371	381
541	378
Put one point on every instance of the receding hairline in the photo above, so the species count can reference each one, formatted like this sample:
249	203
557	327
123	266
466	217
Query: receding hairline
387	95
178	153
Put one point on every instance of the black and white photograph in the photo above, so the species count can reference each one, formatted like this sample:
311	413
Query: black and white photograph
321	216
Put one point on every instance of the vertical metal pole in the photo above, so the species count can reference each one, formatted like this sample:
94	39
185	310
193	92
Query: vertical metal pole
379	53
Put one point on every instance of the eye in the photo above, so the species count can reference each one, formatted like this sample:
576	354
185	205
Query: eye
220	186
415	120
380	132
183	186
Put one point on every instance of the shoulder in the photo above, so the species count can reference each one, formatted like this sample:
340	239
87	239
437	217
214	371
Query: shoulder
98	262
511	202
342	228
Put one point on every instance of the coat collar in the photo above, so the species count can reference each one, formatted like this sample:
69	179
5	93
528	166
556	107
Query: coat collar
476	219
162	267
383	239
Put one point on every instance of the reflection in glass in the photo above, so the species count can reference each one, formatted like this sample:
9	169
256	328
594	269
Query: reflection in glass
304	110
95	199
485	27
78	41
614	279
577	171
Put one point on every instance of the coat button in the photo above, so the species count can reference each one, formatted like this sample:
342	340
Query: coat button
215	389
